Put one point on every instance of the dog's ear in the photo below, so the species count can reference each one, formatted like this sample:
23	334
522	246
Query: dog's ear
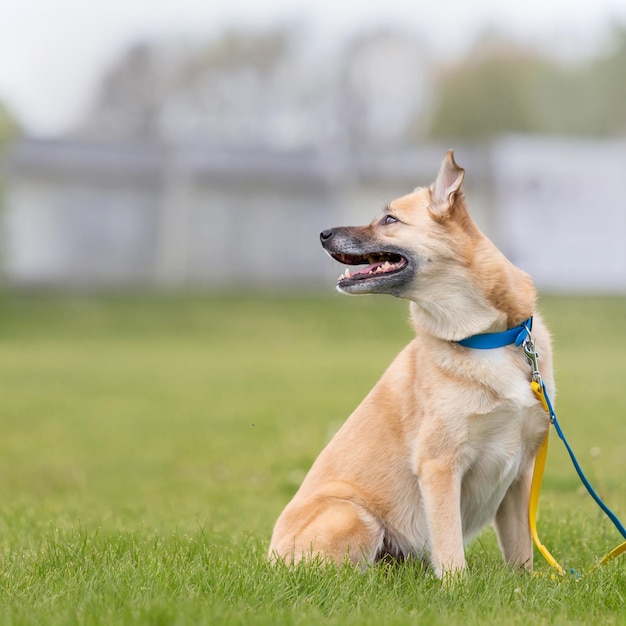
446	186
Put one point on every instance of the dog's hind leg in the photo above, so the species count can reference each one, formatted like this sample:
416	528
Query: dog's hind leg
328	528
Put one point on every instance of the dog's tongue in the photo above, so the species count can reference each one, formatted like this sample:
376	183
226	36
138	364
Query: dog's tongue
379	267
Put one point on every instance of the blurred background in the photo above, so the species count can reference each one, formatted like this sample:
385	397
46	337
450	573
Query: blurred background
172	351
204	145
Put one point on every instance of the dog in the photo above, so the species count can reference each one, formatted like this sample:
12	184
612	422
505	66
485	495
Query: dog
445	442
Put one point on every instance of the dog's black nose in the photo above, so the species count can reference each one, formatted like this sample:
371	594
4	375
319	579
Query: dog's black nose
325	235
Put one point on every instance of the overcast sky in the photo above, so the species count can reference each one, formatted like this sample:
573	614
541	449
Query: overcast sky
52	52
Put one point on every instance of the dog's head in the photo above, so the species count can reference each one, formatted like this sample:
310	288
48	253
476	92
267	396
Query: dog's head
425	247
411	237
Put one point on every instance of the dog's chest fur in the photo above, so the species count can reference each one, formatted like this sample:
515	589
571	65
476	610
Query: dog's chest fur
488	424
498	447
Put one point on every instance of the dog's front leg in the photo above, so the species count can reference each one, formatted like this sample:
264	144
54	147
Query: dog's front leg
512	525
440	484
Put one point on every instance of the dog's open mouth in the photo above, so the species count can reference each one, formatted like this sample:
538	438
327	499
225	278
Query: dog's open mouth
377	265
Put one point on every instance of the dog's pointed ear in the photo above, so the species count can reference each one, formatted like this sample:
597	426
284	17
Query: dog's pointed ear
446	186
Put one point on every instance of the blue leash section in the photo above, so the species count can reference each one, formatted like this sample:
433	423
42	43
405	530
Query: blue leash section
579	471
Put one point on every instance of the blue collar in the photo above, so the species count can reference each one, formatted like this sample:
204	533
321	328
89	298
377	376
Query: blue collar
487	341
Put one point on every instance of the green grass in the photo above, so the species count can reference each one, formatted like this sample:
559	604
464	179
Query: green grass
149	443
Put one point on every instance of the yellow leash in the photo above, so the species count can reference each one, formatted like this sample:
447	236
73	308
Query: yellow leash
535	487
540	463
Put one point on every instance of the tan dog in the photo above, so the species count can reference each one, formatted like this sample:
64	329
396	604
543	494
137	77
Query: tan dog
445	442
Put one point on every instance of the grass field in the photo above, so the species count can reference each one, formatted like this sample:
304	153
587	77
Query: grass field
149	443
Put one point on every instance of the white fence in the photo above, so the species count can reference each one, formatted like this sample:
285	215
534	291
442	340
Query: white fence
80	214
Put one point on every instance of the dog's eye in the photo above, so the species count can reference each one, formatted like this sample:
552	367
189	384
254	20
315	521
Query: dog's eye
388	219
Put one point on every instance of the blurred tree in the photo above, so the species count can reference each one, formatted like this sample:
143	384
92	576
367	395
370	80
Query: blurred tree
264	88
502	87
384	78
9	130
9	127
609	76
267	89
487	93
587	99
225	87
132	92
242	87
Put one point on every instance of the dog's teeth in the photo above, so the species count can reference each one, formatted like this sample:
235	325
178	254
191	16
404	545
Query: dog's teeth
346	274
385	267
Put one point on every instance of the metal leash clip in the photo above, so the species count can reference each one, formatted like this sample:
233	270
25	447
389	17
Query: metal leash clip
533	358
